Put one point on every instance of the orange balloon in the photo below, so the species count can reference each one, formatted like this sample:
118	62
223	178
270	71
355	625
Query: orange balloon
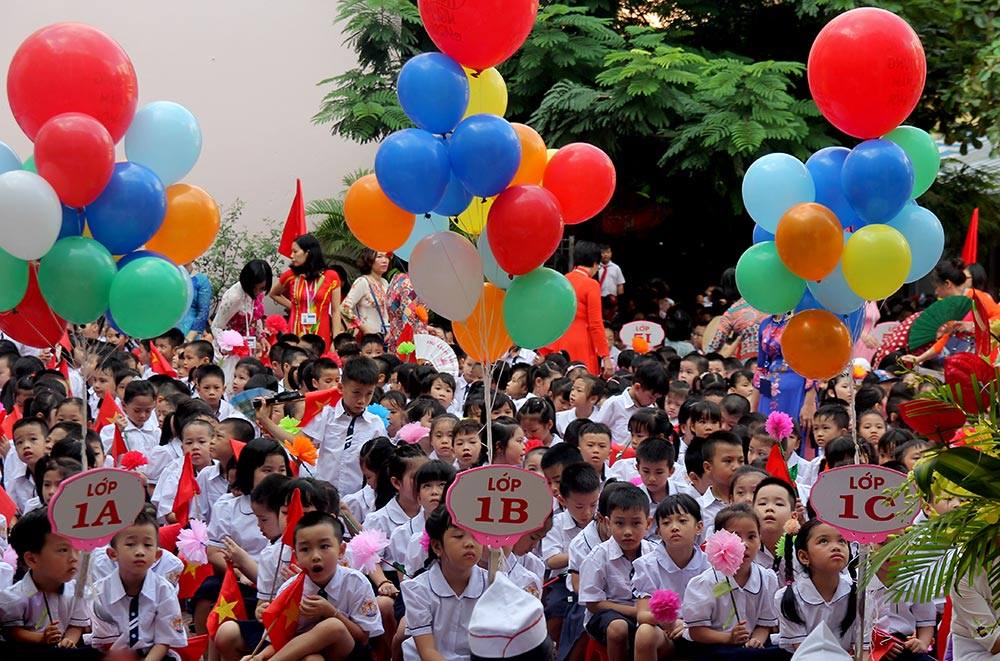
534	156
190	226
373	218
483	335
816	344
809	240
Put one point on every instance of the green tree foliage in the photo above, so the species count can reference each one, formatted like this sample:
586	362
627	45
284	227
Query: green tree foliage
234	247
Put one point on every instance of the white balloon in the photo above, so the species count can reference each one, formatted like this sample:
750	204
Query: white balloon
30	214
447	274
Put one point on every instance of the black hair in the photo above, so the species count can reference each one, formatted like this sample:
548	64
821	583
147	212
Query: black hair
316	343
503	431
652	420
330	497
397	397
267	381
625	358
716	439
315	264
242	430
70	447
41	404
145	517
360	370
29	533
678	503
139	388
434	470
595	386
837	413
745	469
654	450
595	428
735	406
603	502
201	349
628	499
270	492
185	408
291	352
561	454
372	338
905	447
571	435
436	526
653	376
252	457
423	405
25	422
320	518
252	366
950	270
892	439
693	458
579	478
375	455
713	381
166	386
733	512
704	411
543	371
64	465
428	381
560	388
256	272
444	417
367	260
789	608
174	337
540	406
399	462
586	253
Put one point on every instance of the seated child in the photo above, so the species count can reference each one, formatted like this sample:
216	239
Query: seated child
722	455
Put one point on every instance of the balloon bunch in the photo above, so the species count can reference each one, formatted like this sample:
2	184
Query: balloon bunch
67	211
843	227
465	164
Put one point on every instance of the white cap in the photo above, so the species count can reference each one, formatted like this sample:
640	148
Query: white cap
506	621
821	645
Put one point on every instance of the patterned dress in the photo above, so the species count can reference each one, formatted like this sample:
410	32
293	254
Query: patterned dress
743	320
402	304
780	388
314	297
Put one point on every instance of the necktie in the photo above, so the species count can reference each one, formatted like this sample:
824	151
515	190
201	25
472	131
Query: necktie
322	593
349	437
133	621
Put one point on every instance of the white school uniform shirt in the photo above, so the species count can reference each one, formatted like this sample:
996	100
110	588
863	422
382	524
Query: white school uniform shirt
557	539
518	403
520	575
615	413
432	607
606	575
657	571
144	438
973	623
416	556
234	518
755	601
159	620
33	504
6	576
813	609
360	503
160	457
349	591
808	471
581	546
22	605
21	486
214	485
710	506
387	519
399	541
624	470
12	465
610	276
563	418
339	457
268	582
898	617
168	566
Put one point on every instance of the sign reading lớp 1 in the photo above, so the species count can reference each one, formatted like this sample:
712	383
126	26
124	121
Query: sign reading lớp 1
90	507
499	504
856	500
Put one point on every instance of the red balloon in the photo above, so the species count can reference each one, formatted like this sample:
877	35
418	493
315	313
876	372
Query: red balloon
75	153
33	322
72	67
582	178
866	71
478	33
524	228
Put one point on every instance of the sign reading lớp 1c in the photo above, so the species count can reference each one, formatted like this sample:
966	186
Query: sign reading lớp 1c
856	501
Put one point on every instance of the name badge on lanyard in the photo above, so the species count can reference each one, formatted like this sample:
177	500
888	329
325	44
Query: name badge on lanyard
308	318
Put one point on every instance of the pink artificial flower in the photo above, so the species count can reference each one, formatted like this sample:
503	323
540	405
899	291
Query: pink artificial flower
229	340
192	542
725	552
779	425
412	433
665	605
364	552
425	542
637	480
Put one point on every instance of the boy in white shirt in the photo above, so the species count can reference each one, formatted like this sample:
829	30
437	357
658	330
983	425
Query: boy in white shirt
134	608
651	382
721	455
29	444
139	427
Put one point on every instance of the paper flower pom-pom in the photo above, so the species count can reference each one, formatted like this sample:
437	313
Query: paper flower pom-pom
665	605
381	411
229	340
725	552
413	432
192	542
640	344
302	450
779	425
421	313
637	481
364	552
406	348
132	460
791	526
425	541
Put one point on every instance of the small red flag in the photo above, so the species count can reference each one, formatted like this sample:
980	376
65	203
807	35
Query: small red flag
159	363
281	617
292	518
295	224
776	466
7	422
106	414
168	536
118	447
192	577
236	447
406	335
229	605
195	648
971	248
187	487
316	401
7	507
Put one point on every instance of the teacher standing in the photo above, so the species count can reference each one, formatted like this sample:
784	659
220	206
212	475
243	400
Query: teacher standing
585	340
365	305
310	291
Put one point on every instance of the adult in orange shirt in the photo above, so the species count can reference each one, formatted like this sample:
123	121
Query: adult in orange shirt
585	340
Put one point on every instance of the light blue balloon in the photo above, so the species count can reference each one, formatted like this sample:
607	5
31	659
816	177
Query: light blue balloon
833	293
772	185
760	235
165	137
485	153
925	234
8	159
413	170
433	91
424	226
456	199
491	269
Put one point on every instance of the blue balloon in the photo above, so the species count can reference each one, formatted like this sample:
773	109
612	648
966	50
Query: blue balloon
139	254
485	154
808	302
833	293
855	323
760	235
456	199
424	226
8	159
491	269
825	166
165	137
433	91
72	222
412	169
129	211
877	180
772	185
923	231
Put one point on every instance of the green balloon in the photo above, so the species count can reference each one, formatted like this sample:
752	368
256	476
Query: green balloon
538	308
29	165
765	282
14	276
923	154
75	278
148	297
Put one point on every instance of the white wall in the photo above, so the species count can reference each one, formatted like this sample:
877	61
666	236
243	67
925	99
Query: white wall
247	69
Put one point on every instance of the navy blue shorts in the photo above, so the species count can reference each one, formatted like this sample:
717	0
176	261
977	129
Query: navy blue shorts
558	600
598	625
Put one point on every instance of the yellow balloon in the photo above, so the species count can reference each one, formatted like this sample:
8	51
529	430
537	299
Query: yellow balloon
473	219
876	261
549	153
487	93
